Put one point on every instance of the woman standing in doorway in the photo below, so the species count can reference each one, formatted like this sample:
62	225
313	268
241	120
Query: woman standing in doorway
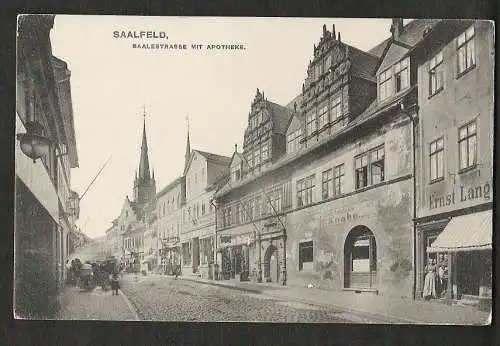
430	280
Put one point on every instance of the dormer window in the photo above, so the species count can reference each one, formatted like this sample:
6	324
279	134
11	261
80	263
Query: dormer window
394	79
385	84
236	172
401	75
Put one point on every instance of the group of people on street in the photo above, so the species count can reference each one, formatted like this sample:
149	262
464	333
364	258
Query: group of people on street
436	277
88	275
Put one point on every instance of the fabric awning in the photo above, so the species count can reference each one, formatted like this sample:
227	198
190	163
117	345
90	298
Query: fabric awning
466	233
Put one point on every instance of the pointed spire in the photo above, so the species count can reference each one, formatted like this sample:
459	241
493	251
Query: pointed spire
188	146
144	161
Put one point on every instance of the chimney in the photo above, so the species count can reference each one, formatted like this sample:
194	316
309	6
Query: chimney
333	31
396	27
236	147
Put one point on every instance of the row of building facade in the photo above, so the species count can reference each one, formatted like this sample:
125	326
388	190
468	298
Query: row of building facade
382	163
46	207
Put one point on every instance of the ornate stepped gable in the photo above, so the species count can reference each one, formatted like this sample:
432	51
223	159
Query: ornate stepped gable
340	84
265	132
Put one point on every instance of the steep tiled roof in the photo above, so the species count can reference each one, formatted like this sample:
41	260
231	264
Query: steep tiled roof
170	186
217	159
281	117
363	64
412	33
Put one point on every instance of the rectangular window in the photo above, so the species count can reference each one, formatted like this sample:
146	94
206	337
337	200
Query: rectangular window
466	50
339	179
293	141
265	151
377	165
237	214
336	108
361	163
436	74
256	157
327	184
323	116
305	191
370	165
236	172
385	84
250	209
250	161
402	75
436	159
310	123
257	207
467	143
306	256
203	208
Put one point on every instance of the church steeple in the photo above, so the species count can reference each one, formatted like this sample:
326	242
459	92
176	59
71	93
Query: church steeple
144	184
188	147
144	173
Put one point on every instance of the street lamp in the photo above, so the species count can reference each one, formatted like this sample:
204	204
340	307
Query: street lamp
33	143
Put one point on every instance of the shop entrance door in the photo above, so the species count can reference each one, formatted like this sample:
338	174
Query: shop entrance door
271	264
360	259
196	254
473	271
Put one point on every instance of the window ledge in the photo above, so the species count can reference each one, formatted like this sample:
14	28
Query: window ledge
464	72
467	169
436	180
438	91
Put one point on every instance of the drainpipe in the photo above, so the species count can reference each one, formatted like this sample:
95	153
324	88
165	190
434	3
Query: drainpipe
414	166
216	263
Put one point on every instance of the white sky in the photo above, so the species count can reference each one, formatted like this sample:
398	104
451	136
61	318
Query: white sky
111	82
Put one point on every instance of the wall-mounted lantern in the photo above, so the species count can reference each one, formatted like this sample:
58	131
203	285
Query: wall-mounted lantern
33	143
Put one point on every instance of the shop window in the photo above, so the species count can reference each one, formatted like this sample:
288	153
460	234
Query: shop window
339	179
466	51
467	143
436	69
306	258
401	75
327	184
186	253
436	159
305	191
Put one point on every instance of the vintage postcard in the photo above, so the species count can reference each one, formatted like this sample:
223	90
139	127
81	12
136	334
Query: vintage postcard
226	169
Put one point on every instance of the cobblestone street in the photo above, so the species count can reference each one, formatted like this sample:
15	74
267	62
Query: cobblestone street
168	299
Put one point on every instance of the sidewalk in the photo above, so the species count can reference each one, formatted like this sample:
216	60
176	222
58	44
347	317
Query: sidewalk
96	305
387	309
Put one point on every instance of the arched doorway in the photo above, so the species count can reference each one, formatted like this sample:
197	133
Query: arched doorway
360	258
271	264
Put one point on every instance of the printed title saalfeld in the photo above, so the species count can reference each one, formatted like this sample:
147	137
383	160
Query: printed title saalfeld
139	34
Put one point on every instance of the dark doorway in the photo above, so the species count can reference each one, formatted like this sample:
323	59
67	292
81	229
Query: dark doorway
196	254
360	259
271	264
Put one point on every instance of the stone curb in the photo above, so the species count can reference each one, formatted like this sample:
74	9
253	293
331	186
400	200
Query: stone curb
130	306
385	318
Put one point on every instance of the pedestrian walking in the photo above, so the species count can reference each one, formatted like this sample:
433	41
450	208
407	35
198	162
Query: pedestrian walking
115	284
430	280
